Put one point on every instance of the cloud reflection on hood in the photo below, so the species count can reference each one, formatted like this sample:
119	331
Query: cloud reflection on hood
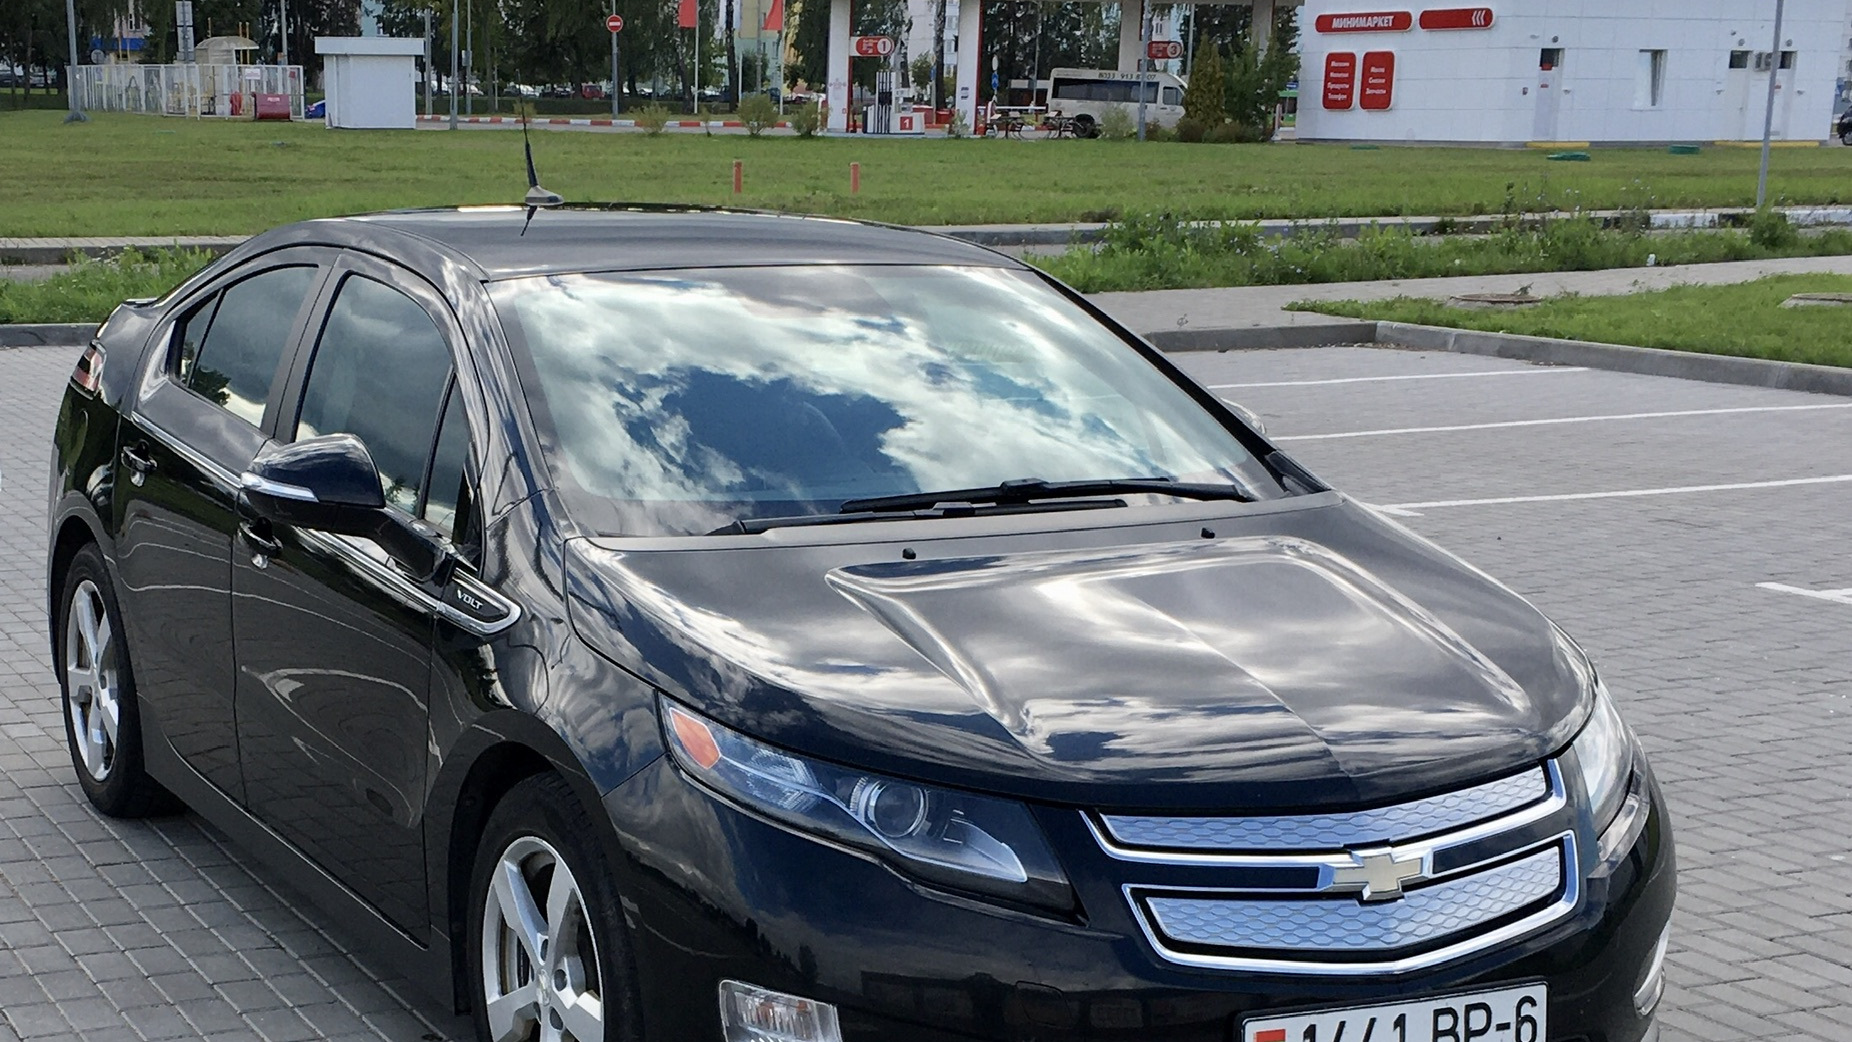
692	398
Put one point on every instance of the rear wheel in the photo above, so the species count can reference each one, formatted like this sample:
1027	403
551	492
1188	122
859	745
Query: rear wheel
1086	126
102	720
550	960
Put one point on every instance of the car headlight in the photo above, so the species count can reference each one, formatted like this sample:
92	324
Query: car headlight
1605	751
964	841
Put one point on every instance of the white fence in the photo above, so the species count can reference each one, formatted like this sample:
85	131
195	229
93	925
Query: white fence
186	90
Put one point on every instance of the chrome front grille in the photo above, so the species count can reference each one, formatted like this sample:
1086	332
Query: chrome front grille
1385	890
1400	823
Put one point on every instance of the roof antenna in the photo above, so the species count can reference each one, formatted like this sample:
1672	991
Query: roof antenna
537	196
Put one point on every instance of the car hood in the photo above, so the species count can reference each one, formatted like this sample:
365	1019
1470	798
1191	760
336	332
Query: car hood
1294	655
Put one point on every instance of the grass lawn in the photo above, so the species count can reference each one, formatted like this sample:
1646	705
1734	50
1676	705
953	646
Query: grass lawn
1745	319
92	289
145	175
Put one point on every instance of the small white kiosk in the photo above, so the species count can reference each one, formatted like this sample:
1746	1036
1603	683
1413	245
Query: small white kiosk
371	81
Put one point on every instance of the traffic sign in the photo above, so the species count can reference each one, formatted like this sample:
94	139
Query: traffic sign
1163	50
615	23
874	46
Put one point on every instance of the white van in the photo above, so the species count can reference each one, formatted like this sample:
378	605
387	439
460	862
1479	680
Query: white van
1084	95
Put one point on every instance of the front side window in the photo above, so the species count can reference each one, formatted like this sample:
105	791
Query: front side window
448	505
234	360
379	373
679	402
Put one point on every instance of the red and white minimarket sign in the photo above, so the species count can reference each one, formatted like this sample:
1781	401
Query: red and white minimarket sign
1378	81
1340	80
1458	18
1366	22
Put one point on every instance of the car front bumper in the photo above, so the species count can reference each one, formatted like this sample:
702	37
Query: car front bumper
715	893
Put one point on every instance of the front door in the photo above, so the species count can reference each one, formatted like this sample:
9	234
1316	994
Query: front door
334	641
195	421
1549	95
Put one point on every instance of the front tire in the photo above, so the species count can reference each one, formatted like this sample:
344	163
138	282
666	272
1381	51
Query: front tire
102	718
549	958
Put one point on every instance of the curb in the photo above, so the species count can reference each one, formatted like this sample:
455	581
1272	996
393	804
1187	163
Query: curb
47	334
1643	361
560	121
1264	338
1646	361
1618	358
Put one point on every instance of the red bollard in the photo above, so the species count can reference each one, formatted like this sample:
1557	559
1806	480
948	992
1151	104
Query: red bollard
739	177
855	178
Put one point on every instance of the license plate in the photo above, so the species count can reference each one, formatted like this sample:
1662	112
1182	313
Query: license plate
1509	1015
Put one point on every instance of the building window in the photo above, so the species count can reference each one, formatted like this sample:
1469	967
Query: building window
1739	59
1552	58
1787	59
1650	86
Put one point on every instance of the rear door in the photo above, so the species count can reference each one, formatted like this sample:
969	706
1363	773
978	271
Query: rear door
196	417
333	639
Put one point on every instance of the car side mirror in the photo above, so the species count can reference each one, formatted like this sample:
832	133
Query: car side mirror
331	484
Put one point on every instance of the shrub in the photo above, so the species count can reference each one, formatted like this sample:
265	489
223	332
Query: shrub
759	113
1770	230
806	119
654	119
959	126
1116	124
1231	134
1191	130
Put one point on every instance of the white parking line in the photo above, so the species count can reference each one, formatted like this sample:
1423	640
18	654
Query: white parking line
1623	494
1836	596
1420	376
1561	420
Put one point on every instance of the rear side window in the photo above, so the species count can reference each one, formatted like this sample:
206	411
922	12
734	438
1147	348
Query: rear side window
379	373
236	358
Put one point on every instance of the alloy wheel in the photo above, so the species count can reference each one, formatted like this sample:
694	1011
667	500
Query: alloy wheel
92	699
540	972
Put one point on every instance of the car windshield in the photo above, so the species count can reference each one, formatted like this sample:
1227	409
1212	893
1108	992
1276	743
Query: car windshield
679	402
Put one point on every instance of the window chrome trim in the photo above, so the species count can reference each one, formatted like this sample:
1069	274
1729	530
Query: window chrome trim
1563	906
366	557
172	443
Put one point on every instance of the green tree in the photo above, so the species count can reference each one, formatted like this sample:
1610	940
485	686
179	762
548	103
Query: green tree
1203	100
1254	81
811	43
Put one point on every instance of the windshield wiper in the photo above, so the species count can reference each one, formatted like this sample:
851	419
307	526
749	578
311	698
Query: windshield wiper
1030	489
756	525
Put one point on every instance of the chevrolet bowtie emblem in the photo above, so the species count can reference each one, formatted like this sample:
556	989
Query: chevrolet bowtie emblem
1379	874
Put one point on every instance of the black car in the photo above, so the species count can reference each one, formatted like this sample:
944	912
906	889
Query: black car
701	625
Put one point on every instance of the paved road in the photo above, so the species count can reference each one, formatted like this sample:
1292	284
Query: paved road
1743	693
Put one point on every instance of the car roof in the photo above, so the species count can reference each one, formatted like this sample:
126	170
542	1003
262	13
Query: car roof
503	242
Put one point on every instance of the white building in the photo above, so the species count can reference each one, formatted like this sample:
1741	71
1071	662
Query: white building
1582	71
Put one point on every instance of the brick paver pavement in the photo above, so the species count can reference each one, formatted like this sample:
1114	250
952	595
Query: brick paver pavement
156	930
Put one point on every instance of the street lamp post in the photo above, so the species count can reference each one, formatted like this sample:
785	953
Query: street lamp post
76	115
453	64
1768	120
